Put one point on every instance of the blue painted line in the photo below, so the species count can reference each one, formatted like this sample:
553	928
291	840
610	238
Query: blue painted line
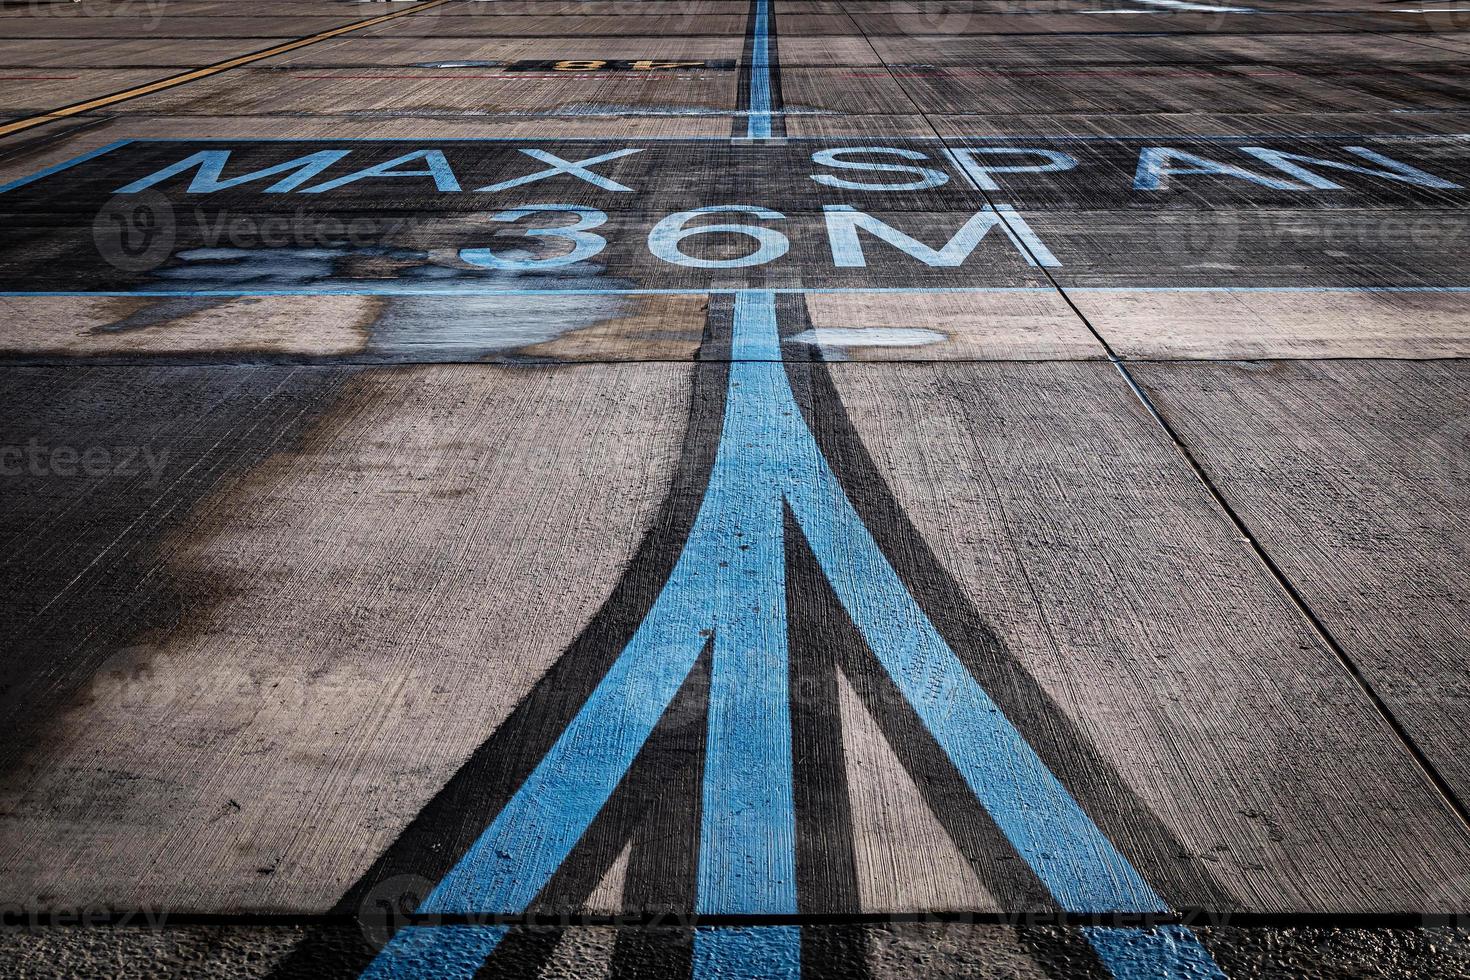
1154	140
444	952
66	165
431	141
758	127
729	582
1174	10
1160	953
1191	5
721	583
1046	826
759	124
747	849
754	953
624	138
1265	289
504	870
388	290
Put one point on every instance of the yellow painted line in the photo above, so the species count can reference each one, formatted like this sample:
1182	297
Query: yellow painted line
190	76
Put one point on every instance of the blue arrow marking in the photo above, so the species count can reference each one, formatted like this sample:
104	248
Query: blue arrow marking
729	583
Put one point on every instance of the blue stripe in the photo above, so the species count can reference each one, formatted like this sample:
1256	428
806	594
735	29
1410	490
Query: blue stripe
1043	822
759	124
624	138
722	582
1161	953
432	141
66	165
747	851
730	579
753	336
388	290
441	952
1266	289
1071	856
504	870
754	953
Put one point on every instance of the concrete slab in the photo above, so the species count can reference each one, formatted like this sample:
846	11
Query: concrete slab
456	91
26	92
1021	325
819	52
574	9
239	451
335	457
623	25
381	52
351	329
1382	564
1232	324
58	53
1173	89
390	329
866	92
1052	52
78	13
1427	19
815	124
171	28
1134	21
1009	474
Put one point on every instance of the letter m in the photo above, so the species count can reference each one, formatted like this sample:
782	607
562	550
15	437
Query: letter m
209	166
844	221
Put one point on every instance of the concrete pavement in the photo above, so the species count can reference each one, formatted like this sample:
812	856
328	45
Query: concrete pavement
734	488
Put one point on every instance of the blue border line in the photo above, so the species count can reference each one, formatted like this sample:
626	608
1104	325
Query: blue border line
722	291
425	140
756	116
64	165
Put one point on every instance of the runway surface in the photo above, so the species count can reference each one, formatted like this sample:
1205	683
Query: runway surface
735	488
